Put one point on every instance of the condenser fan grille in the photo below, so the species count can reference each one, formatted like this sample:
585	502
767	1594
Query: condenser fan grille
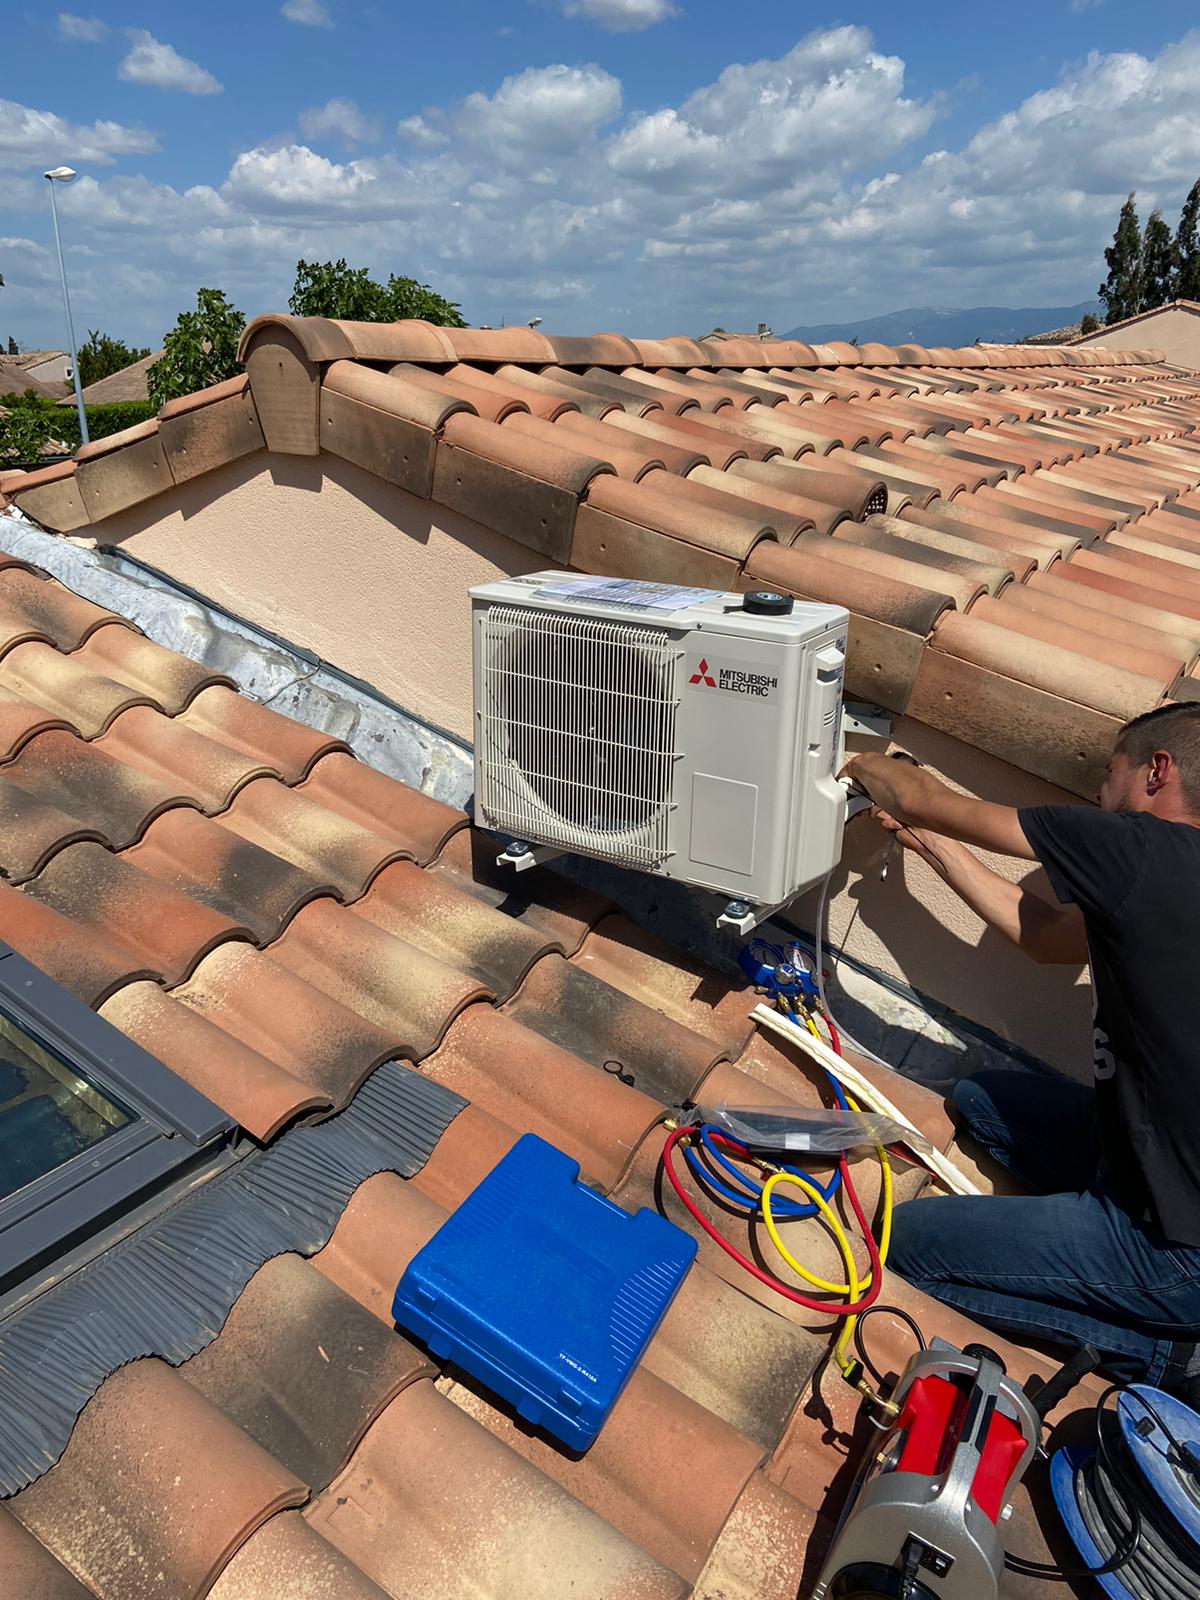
577	731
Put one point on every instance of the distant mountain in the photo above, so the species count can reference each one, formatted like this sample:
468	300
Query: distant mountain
935	325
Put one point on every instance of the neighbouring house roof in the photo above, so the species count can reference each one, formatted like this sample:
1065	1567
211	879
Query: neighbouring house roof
1055	335
277	922
128	384
14	379
32	358
1012	528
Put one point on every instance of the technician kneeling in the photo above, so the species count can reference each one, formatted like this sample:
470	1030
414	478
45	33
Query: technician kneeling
1107	1250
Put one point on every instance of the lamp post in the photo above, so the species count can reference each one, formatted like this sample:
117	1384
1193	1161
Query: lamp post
66	175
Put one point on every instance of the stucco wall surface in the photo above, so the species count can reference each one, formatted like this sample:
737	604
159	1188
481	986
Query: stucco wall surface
335	561
1172	330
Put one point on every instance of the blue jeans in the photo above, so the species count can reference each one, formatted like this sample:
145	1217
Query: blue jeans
1068	1267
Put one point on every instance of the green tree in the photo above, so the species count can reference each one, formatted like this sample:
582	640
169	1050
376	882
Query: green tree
1187	248
333	289
1121	291
14	349
1090	322
200	350
1158	263
29	421
100	356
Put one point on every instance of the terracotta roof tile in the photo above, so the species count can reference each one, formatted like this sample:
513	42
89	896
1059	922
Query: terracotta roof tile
211	864
628	1476
276	742
617	1033
402	1517
33	607
389	981
88	967
170	752
913	606
302	1369
112	1508
620	452
554	908
315	1570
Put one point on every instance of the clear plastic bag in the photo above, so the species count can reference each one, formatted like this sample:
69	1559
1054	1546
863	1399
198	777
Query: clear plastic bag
815	1132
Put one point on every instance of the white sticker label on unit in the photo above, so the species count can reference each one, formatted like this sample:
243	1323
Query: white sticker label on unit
711	671
630	593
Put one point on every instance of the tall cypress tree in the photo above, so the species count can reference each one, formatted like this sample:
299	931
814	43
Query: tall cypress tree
1121	291
1187	248
1158	263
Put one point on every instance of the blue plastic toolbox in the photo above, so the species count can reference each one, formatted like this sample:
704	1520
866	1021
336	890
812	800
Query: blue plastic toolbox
544	1291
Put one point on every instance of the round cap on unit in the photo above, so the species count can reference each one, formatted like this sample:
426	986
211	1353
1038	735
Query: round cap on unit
765	603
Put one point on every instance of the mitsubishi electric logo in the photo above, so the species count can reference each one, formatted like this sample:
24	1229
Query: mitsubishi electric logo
741	680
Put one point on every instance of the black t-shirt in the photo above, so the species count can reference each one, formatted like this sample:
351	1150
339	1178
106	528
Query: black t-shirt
1136	880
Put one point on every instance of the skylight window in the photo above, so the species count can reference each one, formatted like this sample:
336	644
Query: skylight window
92	1128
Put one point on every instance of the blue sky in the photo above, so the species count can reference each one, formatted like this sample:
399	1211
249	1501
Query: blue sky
650	165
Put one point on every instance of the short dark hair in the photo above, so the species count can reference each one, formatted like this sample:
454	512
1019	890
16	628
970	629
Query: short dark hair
1175	729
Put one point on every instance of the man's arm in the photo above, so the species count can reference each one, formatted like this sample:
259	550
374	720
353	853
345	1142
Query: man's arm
916	797
1043	930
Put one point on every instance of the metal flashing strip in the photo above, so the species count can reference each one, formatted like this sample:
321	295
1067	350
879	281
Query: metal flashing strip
167	1289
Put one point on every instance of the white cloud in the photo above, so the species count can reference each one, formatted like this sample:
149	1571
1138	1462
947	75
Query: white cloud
621	16
797	189
543	109
80	30
162	67
296	179
30	138
420	133
339	119
309	13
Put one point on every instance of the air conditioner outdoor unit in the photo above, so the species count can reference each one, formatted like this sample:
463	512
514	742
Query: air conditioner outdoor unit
682	732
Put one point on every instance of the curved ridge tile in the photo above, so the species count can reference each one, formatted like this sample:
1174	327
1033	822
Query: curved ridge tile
535	1086
21	719
418	824
33	607
430	910
260	1094
196	857
124	910
164	747
298	828
63	685
170	680
29	1571
268	1009
280	743
389	981
400	1514
648	969
103	797
601	1025
89	968
302	1369
138	1469
286	1544
628	1475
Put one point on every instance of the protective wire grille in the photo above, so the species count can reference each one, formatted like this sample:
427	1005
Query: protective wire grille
576	738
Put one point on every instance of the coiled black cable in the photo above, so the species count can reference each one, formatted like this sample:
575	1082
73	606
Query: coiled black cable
1138	1540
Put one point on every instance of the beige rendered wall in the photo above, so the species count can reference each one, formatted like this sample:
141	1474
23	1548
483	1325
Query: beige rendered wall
333	559
1173	331
336	561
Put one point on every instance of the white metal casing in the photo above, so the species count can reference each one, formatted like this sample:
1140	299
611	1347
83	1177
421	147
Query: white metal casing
667	730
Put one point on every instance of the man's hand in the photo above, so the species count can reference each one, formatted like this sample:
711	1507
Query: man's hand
929	846
914	798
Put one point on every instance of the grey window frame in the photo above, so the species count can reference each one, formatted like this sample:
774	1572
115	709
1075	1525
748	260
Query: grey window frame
173	1128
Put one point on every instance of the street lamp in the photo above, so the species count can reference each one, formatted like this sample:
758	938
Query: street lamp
67	175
